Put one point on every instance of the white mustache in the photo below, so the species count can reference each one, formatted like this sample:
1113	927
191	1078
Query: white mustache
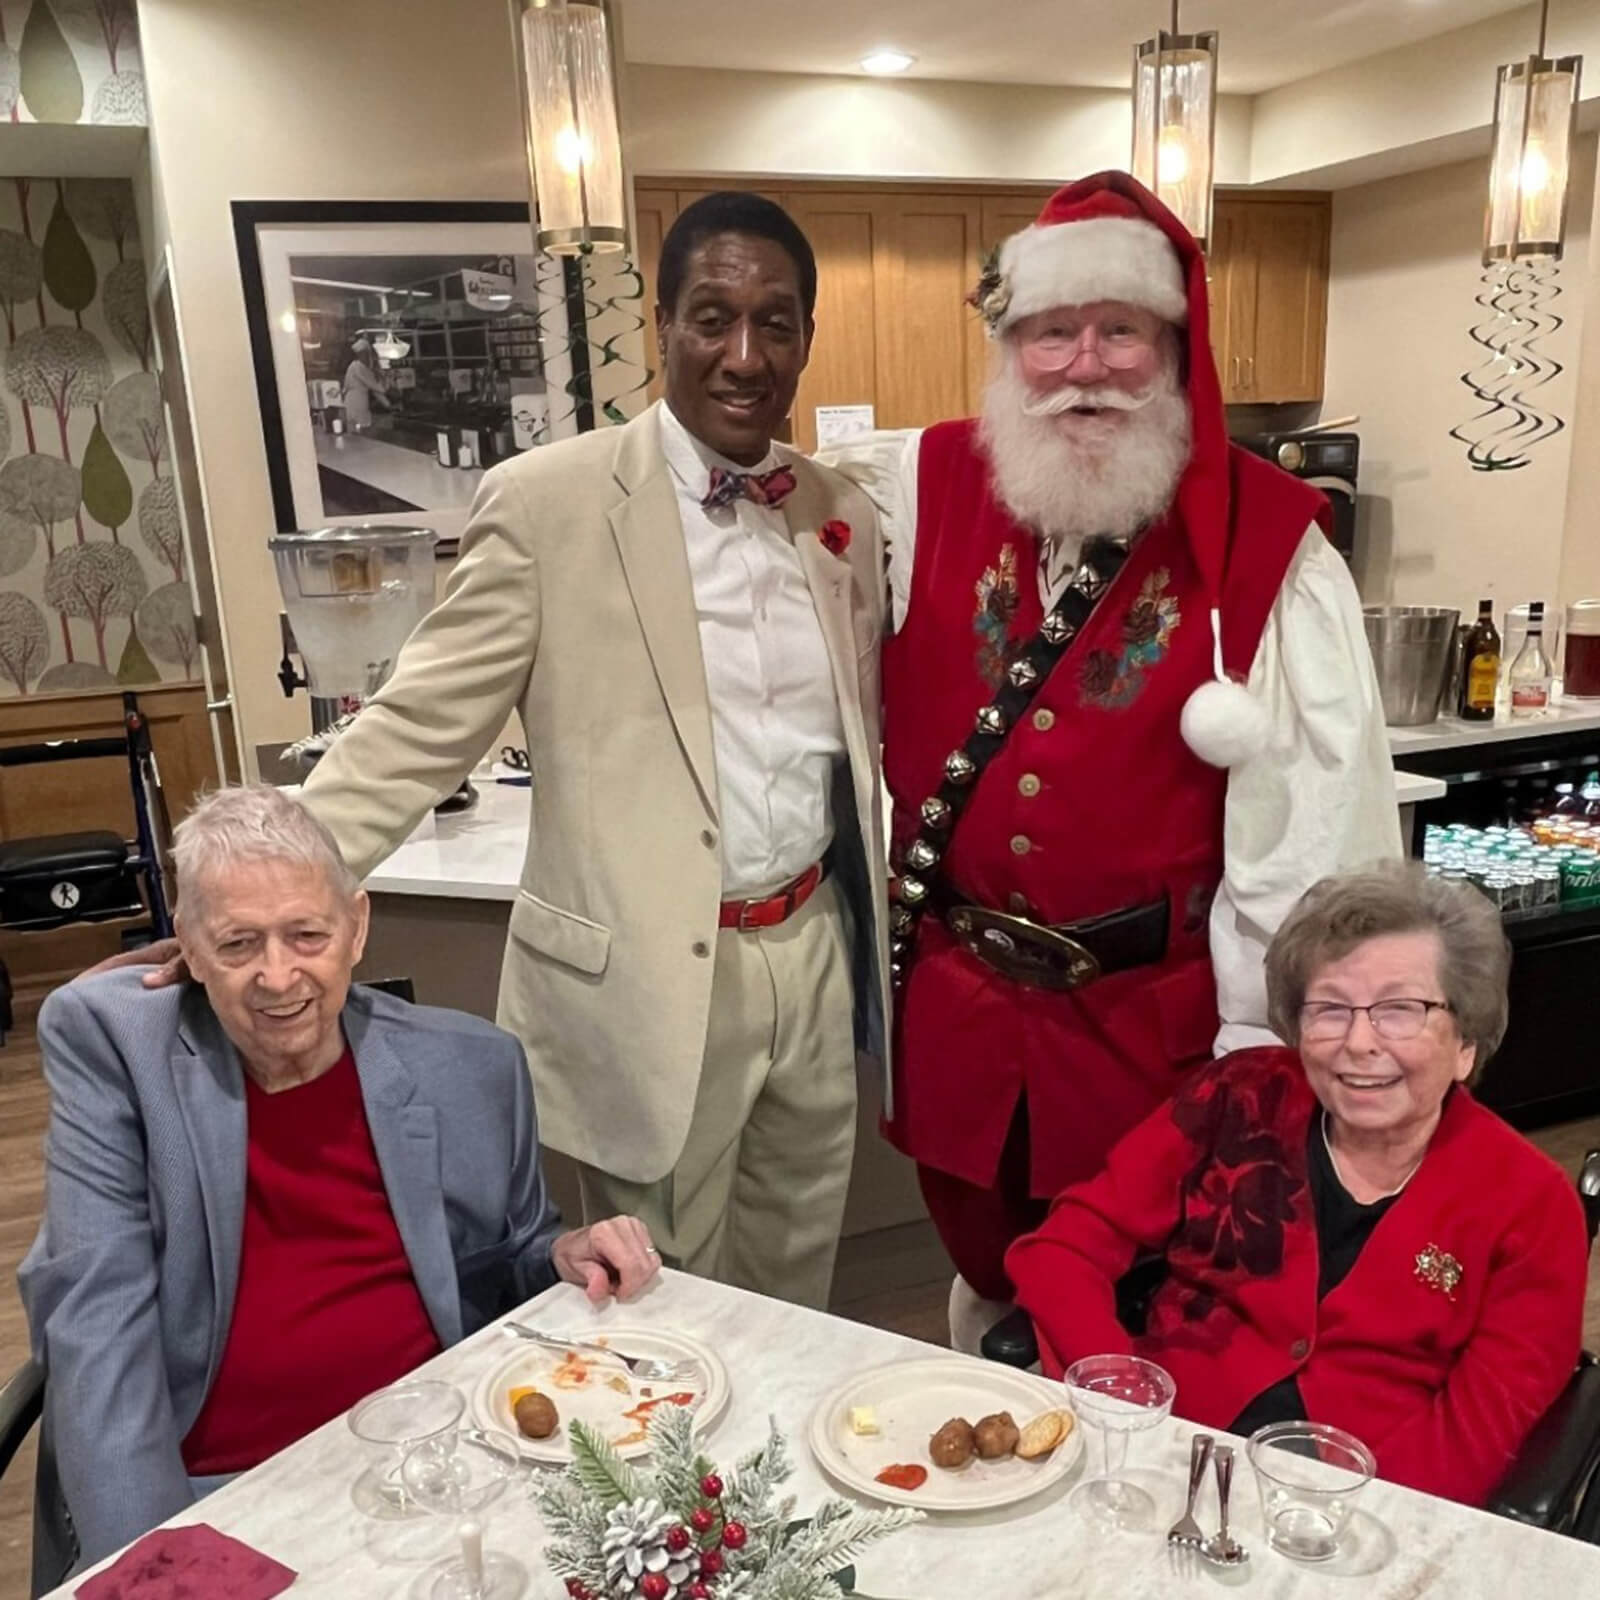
1072	396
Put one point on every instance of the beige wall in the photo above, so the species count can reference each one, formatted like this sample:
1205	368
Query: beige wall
683	120
1405	268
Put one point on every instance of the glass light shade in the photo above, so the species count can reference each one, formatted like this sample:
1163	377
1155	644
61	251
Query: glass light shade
1535	118
1174	124
569	110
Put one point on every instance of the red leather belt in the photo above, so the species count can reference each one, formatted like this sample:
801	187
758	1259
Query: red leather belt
776	908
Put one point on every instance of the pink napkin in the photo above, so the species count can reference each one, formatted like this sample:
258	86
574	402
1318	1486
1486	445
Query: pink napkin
193	1563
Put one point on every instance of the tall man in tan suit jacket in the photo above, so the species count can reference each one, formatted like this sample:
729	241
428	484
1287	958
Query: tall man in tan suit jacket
687	618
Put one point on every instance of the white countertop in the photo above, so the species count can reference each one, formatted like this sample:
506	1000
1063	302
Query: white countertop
406	474
478	854
783	1362
1564	716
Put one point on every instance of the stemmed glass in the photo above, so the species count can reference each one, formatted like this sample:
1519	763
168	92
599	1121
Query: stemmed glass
1120	1396
461	1474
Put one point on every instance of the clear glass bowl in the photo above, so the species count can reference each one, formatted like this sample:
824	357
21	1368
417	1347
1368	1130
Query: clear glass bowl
1309	1474
392	1421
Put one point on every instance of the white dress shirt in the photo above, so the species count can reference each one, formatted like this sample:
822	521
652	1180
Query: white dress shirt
775	726
1319	799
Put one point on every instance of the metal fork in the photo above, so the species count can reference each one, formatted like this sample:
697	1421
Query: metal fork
1185	1536
650	1368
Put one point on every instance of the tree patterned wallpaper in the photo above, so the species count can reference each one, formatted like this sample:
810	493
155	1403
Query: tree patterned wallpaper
71	61
92	586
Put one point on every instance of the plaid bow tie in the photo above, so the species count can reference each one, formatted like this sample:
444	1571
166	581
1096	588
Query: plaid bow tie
764	488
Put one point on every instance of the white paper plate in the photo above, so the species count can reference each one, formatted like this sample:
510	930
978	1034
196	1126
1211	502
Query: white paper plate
913	1400
600	1402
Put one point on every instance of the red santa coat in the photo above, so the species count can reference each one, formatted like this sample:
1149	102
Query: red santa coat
1093	805
1444	1382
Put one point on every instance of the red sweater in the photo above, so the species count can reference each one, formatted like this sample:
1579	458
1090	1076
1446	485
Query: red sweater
1443	1387
327	1309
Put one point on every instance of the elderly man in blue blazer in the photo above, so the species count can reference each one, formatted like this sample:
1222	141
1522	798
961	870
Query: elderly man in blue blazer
267	1192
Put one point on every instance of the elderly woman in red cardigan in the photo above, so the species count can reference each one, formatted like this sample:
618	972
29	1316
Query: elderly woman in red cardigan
1348	1235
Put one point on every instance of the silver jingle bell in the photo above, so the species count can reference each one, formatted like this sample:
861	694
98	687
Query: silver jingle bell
1087	582
959	767
935	812
1056	629
992	720
900	920
960	922
1023	674
921	856
913	891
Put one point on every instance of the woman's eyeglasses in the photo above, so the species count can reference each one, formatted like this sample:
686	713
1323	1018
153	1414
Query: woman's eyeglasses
1390	1019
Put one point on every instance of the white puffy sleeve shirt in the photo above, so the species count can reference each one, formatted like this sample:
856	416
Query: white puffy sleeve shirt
1319	799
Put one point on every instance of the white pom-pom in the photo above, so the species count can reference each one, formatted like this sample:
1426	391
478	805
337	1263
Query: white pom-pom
1224	724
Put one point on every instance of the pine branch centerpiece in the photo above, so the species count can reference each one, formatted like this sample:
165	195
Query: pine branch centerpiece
683	1532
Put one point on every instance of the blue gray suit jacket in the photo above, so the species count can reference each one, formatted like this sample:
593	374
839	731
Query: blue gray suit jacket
129	1286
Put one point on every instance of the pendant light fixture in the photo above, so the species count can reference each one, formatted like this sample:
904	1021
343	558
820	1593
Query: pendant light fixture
1535	121
1175	122
1524	232
568	64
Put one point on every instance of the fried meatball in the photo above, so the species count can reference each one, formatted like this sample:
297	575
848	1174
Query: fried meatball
536	1416
952	1445
996	1436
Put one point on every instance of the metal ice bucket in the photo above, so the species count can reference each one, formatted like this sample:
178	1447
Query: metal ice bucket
1410	648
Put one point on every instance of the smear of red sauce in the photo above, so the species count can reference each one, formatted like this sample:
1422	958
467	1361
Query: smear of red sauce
909	1476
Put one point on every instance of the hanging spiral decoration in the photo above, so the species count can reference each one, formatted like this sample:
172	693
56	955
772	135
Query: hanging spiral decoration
619	315
1517	300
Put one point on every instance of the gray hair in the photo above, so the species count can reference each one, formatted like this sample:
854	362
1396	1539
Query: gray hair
1336	915
250	823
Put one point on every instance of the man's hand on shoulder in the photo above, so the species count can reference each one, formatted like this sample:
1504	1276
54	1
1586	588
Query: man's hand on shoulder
164	958
610	1257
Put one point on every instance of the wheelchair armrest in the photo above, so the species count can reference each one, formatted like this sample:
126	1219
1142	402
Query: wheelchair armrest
21	1402
1011	1341
1546	1483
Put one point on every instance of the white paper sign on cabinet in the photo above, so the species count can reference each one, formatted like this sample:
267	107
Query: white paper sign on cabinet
836	424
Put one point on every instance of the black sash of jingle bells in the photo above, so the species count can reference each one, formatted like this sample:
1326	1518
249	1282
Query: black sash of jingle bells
1026	674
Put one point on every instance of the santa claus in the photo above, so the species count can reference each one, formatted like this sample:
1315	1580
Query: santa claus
1130	715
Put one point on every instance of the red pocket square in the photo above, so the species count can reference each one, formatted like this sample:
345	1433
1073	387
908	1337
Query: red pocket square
196	1563
835	537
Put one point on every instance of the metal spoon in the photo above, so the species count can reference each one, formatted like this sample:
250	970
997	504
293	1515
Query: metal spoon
1221	1549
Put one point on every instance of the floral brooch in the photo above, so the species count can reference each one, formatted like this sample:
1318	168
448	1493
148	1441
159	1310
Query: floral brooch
1439	1270
835	536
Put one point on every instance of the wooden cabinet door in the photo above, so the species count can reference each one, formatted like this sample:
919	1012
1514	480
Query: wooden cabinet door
845	368
1288	242
931	347
653	212
1232	280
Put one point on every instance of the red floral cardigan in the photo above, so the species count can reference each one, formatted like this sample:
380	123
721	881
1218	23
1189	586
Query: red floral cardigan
1443	1379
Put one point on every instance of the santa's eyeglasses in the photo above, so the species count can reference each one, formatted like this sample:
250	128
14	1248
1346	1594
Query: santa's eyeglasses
1117	341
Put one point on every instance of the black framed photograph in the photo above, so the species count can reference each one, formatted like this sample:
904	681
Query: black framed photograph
403	348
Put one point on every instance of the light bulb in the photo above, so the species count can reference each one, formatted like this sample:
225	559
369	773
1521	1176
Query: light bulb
1172	158
885	63
572	150
1535	174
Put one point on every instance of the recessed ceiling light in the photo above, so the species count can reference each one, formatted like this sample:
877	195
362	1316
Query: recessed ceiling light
885	63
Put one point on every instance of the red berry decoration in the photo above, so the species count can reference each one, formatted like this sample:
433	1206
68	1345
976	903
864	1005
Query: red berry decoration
576	1588
711	1486
654	1586
698	1591
677	1539
734	1535
711	1563
701	1519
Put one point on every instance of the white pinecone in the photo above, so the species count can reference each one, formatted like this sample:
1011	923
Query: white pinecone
635	1543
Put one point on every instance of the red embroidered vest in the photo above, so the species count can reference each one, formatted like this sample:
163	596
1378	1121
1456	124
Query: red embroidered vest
1094	804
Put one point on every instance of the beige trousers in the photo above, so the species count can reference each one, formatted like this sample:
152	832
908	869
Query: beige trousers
757	1196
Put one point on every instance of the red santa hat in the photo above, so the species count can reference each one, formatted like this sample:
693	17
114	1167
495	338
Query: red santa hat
1108	238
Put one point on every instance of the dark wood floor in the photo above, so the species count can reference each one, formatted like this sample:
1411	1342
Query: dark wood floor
898	1278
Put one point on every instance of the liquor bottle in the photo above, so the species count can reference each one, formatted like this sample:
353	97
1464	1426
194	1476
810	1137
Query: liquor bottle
1480	667
1530	672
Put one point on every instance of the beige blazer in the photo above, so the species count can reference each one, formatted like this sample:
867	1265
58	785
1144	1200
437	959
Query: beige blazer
572	601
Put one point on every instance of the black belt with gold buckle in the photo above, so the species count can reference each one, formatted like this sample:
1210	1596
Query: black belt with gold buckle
1059	956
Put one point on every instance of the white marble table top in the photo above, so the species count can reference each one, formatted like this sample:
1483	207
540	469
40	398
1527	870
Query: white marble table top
297	1508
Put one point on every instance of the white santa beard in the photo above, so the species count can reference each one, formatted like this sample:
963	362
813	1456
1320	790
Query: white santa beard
1111	476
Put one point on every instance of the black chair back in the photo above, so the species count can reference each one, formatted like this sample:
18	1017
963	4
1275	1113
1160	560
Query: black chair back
21	1403
1589	1191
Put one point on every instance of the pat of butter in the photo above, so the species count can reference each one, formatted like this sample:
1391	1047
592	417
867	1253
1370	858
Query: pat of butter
863	1419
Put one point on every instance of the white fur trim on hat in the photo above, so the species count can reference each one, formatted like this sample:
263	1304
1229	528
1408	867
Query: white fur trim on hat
1100	258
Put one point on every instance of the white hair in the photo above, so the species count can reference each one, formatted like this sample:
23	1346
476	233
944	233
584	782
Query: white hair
1111	479
251	823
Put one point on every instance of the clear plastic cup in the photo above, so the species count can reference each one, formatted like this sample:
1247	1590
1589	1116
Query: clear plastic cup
393	1421
1309	1474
